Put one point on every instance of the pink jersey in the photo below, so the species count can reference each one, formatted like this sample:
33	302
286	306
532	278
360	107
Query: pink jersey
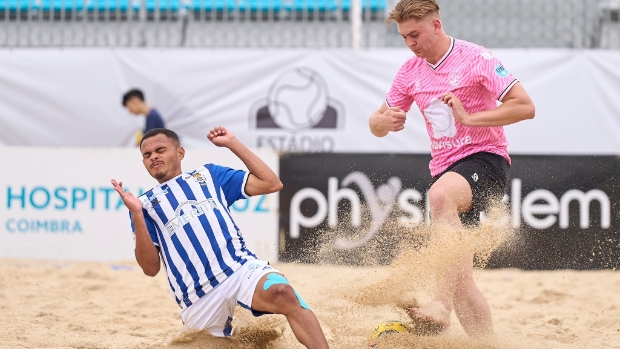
477	78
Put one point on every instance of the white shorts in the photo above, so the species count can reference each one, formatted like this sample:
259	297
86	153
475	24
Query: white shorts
214	311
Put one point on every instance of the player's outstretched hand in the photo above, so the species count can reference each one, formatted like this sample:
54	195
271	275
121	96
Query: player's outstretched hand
133	203
457	108
220	136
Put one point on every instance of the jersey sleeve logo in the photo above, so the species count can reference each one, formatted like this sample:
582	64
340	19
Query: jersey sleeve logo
501	71
440	116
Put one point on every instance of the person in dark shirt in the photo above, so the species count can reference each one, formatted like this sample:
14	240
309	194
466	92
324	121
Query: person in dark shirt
134	101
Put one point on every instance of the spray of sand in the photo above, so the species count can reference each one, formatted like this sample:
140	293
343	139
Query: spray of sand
249	333
420	256
426	258
417	256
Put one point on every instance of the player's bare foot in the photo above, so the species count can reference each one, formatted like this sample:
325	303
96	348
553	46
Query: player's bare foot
431	319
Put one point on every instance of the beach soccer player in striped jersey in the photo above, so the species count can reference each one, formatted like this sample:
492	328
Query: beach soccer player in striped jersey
456	85
185	224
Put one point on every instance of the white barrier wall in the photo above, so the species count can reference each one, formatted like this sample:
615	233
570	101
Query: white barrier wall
58	203
289	100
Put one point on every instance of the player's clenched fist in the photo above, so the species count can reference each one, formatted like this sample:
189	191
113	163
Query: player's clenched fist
393	119
220	136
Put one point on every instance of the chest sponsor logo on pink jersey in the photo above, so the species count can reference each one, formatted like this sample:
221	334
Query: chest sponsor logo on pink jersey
455	78
452	144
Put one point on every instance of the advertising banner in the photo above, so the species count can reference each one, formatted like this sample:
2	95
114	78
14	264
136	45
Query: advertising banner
287	100
565	209
58	203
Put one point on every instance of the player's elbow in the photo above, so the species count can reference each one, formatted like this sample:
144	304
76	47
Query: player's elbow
526	107
150	270
276	186
530	111
150	267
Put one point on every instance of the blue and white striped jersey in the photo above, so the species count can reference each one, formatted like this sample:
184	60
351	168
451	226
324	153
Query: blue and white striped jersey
188	218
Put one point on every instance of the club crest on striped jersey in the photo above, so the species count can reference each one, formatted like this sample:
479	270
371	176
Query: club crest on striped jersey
455	77
198	177
187	211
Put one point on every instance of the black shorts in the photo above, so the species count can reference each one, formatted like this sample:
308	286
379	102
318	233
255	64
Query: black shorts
487	175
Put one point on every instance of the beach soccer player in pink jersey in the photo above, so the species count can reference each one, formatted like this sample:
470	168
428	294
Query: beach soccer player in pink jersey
456	85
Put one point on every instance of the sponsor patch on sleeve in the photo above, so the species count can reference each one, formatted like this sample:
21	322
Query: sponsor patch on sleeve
501	71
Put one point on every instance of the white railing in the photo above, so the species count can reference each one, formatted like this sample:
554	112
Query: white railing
297	23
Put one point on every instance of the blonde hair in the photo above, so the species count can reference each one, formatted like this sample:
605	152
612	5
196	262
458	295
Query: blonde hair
406	9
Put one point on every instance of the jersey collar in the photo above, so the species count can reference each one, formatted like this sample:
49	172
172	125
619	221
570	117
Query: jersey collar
435	66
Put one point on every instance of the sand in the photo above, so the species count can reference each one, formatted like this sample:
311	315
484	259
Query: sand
47	304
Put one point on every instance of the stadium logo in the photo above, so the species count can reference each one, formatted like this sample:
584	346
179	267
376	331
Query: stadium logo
297	101
539	209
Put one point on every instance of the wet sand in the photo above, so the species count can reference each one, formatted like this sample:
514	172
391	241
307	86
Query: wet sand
47	304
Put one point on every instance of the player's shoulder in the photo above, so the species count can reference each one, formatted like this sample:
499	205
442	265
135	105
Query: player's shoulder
152	196
412	63
146	193
212	169
198	174
200	169
471	50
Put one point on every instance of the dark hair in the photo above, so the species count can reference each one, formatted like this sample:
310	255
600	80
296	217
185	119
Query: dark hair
132	93
156	131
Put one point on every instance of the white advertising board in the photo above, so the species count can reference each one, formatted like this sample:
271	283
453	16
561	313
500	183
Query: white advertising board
287	100
58	203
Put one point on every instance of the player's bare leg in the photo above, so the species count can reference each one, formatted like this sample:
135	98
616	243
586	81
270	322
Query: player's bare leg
434	316
450	195
280	298
470	306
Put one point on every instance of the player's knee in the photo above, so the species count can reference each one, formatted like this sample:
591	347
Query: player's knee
283	296
438	199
